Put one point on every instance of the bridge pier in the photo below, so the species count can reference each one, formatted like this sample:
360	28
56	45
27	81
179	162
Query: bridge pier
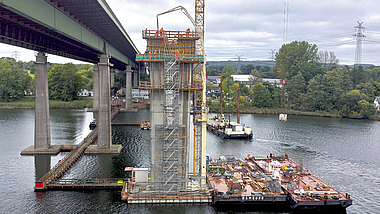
42	137
135	81
128	88
95	101
104	123
112	76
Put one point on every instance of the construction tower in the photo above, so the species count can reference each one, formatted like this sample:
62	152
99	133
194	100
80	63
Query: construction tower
170	58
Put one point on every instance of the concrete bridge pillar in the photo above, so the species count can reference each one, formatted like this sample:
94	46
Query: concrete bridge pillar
104	123
95	99
135	81
128	88
42	138
112	74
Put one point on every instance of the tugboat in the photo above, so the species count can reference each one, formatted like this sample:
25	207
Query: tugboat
223	128
93	124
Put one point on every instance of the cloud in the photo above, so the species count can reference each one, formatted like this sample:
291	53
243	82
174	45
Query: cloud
254	28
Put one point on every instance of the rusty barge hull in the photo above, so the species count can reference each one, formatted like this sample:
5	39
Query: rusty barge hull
305	190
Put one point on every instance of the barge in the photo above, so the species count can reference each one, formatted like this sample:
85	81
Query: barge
305	190
226	129
242	182
276	182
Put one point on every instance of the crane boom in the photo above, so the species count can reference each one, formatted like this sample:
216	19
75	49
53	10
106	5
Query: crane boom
184	11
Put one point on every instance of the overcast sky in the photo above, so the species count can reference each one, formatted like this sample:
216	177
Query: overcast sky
252	28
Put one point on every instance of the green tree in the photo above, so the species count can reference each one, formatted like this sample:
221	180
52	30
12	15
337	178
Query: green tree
211	71
358	75
297	57
65	82
366	109
247	69
295	87
350	105
264	96
14	81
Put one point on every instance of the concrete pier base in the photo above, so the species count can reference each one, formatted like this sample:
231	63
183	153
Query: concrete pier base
94	149
52	150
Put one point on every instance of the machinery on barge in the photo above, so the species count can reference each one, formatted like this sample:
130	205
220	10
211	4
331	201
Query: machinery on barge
226	129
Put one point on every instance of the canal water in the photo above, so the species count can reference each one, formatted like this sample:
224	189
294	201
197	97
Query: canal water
343	152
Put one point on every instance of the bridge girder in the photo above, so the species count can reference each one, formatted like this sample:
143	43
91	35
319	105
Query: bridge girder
49	26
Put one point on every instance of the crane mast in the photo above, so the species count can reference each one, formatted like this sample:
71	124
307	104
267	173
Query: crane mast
199	101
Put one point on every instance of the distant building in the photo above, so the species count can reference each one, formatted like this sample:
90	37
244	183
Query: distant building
272	81
86	92
247	80
376	102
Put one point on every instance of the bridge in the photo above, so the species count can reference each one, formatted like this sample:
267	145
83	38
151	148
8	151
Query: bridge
86	30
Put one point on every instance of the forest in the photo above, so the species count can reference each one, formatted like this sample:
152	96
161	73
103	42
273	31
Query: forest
314	83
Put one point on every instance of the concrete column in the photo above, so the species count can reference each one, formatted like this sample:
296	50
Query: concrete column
128	88
42	137
104	123
135	81
95	99
112	74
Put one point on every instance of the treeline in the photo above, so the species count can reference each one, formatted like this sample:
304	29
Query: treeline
312	84
65	80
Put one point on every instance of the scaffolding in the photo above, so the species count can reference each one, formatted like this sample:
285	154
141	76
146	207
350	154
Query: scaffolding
170	56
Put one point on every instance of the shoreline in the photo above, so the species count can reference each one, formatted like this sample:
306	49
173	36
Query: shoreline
278	111
87	103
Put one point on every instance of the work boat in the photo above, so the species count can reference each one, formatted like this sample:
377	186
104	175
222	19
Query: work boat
226	129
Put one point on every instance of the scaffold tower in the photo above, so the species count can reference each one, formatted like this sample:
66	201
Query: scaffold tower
170	57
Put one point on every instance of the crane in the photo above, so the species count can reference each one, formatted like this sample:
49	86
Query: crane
199	158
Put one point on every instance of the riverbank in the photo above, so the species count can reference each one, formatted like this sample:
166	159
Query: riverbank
255	110
29	103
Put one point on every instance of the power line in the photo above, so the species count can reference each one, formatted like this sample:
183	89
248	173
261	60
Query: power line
330	36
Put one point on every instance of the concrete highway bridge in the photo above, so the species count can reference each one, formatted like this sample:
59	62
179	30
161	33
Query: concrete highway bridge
85	30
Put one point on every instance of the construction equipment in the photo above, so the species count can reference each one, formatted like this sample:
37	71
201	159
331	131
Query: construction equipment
199	97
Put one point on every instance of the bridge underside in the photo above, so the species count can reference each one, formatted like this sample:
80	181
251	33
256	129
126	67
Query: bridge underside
82	30
20	31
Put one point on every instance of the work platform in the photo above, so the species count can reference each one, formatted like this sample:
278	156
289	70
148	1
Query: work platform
82	184
166	198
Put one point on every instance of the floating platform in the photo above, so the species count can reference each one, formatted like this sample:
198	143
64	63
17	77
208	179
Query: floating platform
241	182
223	128
305	190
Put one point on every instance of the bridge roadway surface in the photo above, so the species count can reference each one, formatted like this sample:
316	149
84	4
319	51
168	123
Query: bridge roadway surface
52	181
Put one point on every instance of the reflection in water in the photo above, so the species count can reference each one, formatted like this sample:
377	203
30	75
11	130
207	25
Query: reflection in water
342	152
42	164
